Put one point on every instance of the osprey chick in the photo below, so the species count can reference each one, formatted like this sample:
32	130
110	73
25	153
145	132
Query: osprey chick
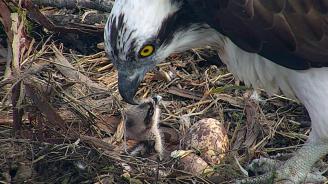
142	124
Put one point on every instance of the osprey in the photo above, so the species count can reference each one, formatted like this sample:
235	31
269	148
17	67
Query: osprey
278	45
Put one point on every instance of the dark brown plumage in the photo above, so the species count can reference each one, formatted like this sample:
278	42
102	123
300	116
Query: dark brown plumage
292	33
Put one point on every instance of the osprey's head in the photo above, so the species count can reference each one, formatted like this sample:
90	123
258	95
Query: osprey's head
141	33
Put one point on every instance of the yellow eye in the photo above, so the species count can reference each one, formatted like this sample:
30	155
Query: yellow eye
147	51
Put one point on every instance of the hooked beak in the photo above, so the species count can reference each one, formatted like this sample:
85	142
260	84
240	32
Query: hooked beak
128	85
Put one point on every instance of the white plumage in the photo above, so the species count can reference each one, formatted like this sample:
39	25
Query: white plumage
310	87
142	23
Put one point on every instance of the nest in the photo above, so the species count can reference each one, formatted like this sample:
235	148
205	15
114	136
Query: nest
60	118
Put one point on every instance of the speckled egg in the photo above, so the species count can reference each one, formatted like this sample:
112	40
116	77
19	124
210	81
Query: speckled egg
209	138
195	165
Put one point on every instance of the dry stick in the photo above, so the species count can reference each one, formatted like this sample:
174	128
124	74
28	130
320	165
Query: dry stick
101	5
17	93
36	15
97	142
17	111
68	70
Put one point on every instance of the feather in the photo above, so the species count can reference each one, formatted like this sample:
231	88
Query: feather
291	33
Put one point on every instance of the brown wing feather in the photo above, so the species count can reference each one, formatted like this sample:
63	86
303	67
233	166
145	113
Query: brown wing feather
292	33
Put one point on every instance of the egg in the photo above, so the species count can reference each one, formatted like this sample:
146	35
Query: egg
192	163
209	139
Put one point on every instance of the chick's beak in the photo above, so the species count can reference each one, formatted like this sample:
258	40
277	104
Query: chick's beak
128	85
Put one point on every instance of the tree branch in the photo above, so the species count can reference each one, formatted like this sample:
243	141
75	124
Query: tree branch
101	5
